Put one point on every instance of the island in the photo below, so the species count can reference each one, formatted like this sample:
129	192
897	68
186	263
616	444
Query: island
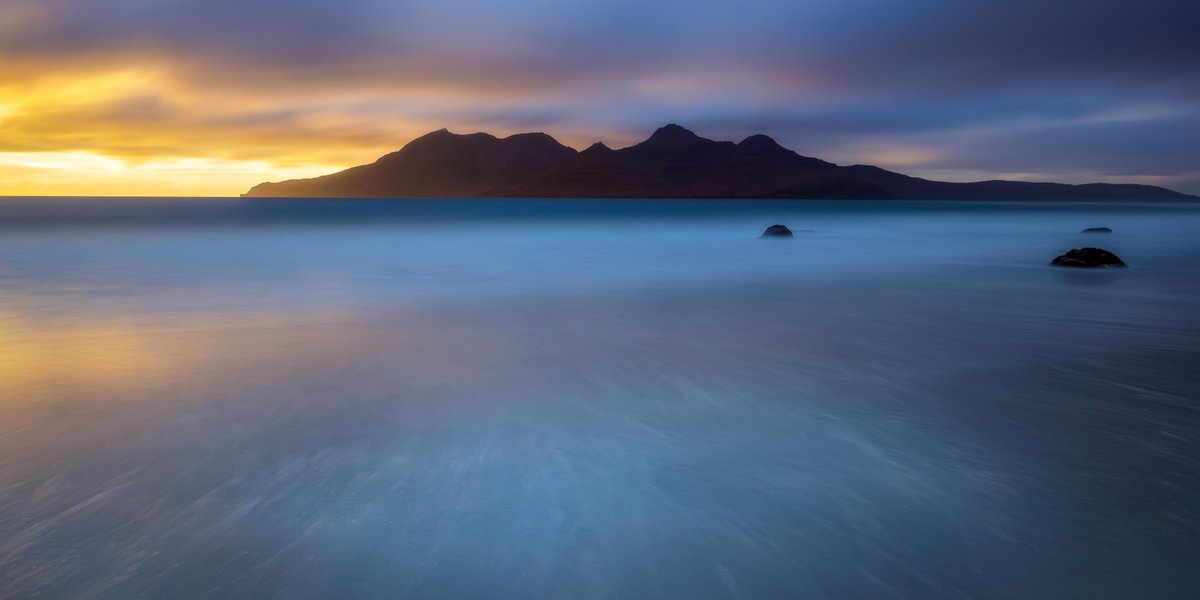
674	162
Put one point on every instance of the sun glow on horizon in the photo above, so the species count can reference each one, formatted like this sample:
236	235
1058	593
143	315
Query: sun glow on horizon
141	132
77	173
196	98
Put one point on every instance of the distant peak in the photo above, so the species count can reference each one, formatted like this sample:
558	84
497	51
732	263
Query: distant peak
597	148
673	135
434	139
673	128
529	135
432	135
444	135
758	140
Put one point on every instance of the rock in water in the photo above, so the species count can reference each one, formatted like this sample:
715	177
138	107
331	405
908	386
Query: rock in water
1088	258
777	231
1097	230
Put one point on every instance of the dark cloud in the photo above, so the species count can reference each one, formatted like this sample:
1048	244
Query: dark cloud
1088	85
862	41
1149	145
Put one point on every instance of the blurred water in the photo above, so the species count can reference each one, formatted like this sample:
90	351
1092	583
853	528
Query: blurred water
572	399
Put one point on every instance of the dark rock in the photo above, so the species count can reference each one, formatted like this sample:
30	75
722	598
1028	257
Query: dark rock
777	231
1088	258
1097	230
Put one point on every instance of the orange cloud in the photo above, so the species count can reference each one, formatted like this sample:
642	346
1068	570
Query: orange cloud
211	97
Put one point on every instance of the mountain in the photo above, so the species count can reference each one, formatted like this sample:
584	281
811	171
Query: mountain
672	163
435	165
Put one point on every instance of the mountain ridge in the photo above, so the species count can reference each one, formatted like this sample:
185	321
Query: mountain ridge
673	162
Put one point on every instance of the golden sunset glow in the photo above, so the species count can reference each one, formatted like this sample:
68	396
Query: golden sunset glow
151	131
44	357
190	98
135	132
34	359
87	174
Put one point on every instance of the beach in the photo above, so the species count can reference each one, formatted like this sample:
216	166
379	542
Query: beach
228	398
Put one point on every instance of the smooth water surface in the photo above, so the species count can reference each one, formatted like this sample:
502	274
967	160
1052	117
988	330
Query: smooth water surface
272	398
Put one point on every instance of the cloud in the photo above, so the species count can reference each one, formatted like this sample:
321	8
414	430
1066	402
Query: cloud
1102	88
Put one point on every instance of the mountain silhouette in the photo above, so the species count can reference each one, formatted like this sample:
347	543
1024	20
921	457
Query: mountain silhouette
438	164
674	162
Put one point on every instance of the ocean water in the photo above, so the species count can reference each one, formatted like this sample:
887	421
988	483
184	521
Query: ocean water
223	398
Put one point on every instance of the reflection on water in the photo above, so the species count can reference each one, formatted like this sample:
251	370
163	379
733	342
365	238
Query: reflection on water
1088	277
599	401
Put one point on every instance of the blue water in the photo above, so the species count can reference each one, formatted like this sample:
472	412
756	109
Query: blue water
220	398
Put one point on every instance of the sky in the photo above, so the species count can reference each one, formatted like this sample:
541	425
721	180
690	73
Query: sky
209	97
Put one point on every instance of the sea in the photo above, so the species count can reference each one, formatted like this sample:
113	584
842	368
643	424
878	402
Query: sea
461	398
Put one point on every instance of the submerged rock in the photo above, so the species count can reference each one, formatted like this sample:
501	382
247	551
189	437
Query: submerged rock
777	231
1088	258
1097	230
